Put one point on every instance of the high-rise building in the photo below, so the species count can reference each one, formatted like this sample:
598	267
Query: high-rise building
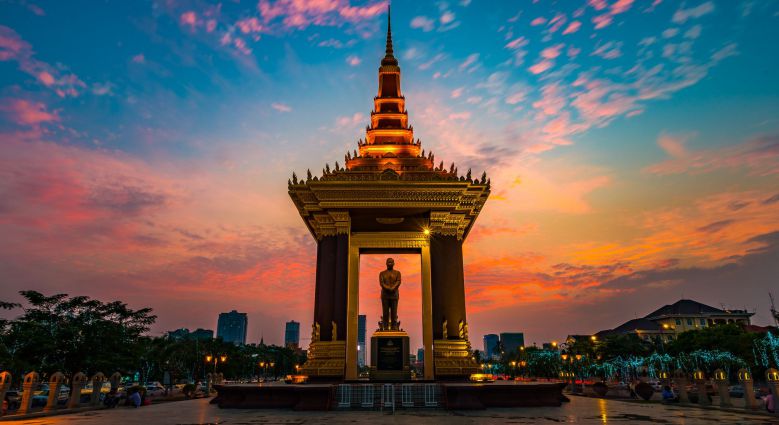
231	327
292	334
511	341
490	345
361	329
421	355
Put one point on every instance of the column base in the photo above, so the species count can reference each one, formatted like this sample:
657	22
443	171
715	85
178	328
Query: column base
453	359
326	359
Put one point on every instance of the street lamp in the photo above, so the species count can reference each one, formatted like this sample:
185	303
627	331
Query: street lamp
215	359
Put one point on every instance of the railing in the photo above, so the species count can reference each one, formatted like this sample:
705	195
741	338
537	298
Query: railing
387	396
75	398
79	395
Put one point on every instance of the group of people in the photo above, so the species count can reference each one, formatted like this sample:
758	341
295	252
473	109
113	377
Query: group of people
135	398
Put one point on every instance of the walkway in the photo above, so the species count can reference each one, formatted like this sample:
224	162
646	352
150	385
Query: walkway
580	410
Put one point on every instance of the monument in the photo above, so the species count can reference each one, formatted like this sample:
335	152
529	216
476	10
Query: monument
390	344
389	196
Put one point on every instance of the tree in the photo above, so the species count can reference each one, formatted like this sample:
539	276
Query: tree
730	337
73	334
626	345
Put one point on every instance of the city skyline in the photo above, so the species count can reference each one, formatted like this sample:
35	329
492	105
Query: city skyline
629	168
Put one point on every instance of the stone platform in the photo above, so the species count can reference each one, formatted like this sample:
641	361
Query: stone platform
502	394
295	397
453	396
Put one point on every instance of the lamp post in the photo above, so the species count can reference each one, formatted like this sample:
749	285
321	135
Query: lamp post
265	365
215	360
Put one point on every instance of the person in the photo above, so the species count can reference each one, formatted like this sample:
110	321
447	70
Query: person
668	395
111	399
135	398
769	400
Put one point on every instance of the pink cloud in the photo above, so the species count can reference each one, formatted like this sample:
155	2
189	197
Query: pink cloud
601	21
683	15
353	60
188	18
249	25
572	27
541	66
759	156
621	6
517	43
46	78
139	58
610	50
597	4
27	113
538	21
557	22
422	22
674	146
552	52
281	107
300	14
13	48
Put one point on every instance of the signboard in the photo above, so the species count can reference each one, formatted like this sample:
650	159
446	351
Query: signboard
390	353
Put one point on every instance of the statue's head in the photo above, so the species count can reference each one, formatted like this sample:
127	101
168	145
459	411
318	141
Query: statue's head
390	263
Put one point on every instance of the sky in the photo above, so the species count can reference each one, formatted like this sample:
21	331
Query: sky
633	149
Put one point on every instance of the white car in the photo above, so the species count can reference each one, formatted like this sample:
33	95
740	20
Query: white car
155	389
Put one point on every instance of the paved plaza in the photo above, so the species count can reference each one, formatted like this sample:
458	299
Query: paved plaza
580	410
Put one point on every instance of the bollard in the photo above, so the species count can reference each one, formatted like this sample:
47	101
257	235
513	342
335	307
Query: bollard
55	384
700	381
98	380
680	380
745	379
721	381
76	384
31	381
115	380
5	384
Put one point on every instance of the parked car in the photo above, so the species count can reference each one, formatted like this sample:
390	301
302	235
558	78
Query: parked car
736	391
155	389
40	399
12	400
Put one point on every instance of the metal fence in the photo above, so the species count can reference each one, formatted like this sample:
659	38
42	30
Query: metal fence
387	396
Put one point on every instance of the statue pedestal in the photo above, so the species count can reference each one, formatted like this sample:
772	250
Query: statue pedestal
389	356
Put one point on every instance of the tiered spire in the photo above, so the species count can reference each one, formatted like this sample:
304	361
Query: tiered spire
389	140
389	57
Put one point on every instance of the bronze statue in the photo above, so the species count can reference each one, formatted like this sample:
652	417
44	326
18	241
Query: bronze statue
390	282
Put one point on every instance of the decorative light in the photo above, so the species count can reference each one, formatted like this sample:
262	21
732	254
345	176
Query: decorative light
426	232
209	358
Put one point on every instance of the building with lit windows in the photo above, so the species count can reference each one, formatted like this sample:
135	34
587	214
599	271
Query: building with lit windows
668	321
231	327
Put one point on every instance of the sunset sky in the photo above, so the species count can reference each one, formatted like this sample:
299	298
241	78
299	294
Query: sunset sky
633	148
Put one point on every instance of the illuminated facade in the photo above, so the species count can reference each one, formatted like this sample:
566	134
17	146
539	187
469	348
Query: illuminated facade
389	197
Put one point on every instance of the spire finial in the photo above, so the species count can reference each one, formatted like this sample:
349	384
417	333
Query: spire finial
389	57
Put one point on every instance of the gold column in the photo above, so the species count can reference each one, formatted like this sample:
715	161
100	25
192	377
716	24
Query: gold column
427	313
352	310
